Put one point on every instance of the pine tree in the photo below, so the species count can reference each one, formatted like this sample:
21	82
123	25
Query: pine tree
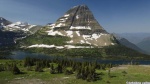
109	72
47	64
59	68
28	61
15	69
38	67
78	75
52	71
89	77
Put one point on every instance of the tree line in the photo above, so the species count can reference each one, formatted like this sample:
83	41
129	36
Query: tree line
82	70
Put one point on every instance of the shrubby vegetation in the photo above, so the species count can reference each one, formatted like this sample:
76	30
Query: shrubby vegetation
41	37
44	39
10	67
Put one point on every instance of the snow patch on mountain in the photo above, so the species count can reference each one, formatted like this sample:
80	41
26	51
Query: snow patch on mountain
66	15
42	45
24	26
112	44
69	33
82	41
51	26
77	32
70	41
77	17
53	33
80	27
76	37
2	24
31	26
86	36
60	25
72	46
62	20
57	47
17	24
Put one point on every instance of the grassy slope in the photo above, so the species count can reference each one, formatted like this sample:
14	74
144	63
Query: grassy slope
41	37
134	73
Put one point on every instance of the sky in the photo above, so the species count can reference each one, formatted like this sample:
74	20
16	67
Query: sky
115	16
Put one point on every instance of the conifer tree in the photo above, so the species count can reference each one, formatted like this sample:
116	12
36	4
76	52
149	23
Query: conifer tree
15	69
38	67
52	71
59	68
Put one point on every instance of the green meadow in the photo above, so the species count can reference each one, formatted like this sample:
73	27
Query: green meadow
115	75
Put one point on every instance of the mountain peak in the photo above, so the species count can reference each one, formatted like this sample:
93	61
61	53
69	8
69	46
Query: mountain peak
80	25
79	17
82	5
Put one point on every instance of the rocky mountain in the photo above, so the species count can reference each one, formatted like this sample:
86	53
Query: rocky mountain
145	44
4	22
79	24
21	26
17	30
77	33
25	27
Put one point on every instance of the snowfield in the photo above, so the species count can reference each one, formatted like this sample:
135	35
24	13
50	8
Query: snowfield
24	26
83	39
80	27
57	47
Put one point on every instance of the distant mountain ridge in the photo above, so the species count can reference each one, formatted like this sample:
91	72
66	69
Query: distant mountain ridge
141	40
145	44
128	44
134	37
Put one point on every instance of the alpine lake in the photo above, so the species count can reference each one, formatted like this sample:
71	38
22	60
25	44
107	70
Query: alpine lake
19	55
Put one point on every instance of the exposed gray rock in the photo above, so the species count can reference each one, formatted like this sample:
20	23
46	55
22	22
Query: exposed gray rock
79	24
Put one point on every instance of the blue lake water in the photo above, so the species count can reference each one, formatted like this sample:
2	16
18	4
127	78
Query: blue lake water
21	55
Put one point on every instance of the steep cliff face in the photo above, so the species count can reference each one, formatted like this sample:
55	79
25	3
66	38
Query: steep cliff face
79	17
79	24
